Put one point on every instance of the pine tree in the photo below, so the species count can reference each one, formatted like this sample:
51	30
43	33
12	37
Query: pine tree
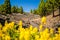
41	8
58	4
21	10
2	8
52	2
34	11
48	6
13	9
17	9
7	7
31	11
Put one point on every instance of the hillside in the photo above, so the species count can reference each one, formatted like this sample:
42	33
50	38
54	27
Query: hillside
32	19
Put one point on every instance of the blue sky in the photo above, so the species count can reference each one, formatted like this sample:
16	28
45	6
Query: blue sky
26	4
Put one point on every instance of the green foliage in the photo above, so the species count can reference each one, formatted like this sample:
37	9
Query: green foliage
47	6
31	11
7	7
14	9
21	10
58	4
34	11
13	33
41	8
1	8
52	2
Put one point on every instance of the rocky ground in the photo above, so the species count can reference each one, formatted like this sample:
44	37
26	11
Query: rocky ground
26	19
32	19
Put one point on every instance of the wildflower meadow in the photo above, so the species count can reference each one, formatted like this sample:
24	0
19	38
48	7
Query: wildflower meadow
10	32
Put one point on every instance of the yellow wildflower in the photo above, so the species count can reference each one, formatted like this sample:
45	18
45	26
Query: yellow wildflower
7	37
20	23
27	35
31	27
0	33
51	30
43	20
57	37
6	23
16	38
21	35
11	25
59	30
36	37
40	27
0	26
4	29
35	30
